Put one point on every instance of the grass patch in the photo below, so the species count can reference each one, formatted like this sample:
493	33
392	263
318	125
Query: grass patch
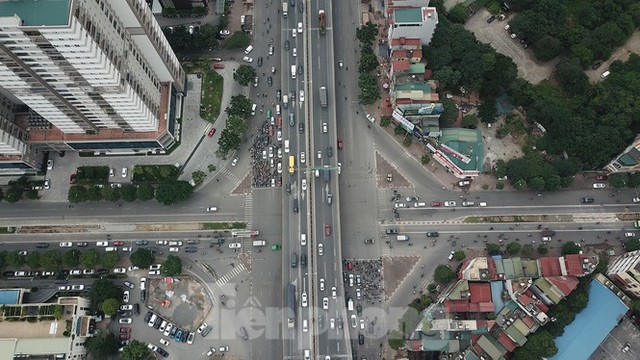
211	97
224	226
7	230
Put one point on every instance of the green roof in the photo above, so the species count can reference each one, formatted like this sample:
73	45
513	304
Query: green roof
413	15
467	142
37	13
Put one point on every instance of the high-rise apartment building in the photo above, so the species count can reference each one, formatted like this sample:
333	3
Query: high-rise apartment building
89	75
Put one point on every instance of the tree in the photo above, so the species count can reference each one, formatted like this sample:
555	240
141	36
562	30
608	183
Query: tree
459	255
547	48
493	249
103	289
527	250
368	60
103	346
543	249
470	121
632	245
142	258
51	260
539	345
244	75
449	114
198	176
136	350
33	259
571	76
14	259
110	259
367	33
459	14
128	192
570	247
487	110
239	106
537	183
145	192
71	258
443	274
111	194
110	306
448	77
14	194
238	40
94	193
618	180
369	89
3	259
513	248
77	194
172	266
89	259
424	159
171	192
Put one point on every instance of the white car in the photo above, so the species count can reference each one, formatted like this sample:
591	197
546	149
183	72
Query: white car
212	209
319	154
450	257
247	59
112	172
325	128
202	327
321	284
295	52
155	267
303	157
544	239
125	296
152	347
49	164
162	242
235	160
167	330
125	171
279	167
293	33
119	271
361	324
354	322
255	82
236	245
224	348
399	205
270	151
126	307
599	186
371	118
279	153
334	293
449	203
629	234
320	249
163	326
47	184
174	249
300	28
225	32
332	323
301	95
636	199
125	321
164	342
279	135
304	299
325	303
304	185
66	244
358	294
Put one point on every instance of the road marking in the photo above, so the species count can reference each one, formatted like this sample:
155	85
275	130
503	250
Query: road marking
248	210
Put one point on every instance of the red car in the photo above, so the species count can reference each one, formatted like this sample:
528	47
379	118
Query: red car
349	265
72	179
124	336
601	177
327	229
118	243
435	203
340	144
125	330
218	66
211	132
279	123
270	130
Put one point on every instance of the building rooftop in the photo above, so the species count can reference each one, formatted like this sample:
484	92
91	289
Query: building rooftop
407	15
37	13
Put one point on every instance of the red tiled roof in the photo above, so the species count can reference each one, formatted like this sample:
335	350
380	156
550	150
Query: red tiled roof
400	54
529	321
525	299
506	341
573	263
405	41
401	65
566	284
550	266
480	292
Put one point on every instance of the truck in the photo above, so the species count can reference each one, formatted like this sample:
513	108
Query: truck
259	243
285	8
323	96
547	232
326	173
402	238
323	22
293	72
291	305
285	101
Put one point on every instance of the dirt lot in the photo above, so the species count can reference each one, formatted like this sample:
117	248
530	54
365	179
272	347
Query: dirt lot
495	35
244	187
188	301
383	168
395	270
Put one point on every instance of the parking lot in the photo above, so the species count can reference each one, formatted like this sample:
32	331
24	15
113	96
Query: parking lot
495	35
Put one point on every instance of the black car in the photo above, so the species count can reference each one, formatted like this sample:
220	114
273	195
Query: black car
359	309
148	316
185	335
301	127
270	81
173	331
191	249
433	234
596	65
159	320
303	260
101	271
162	352
292	3
141	242
143	296
300	69
360	339
278	95
42	245
136	309
301	8
259	60
490	19
61	281
125	313
586	200
287	45
193	241
82	244
205	331
391	231
329	151
8	273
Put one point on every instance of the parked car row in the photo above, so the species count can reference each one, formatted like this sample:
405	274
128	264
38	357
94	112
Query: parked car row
169	329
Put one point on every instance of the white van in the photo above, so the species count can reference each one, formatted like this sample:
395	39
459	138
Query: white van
293	71
278	111
350	304
482	204
420	204
307	355
402	238
285	101
305	325
248	49
303	239
286	146
253	109
111	248
605	74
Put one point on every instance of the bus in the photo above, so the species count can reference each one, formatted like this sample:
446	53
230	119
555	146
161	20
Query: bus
292	164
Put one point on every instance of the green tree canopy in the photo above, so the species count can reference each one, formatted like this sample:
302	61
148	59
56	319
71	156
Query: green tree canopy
632	244
136	350
89	259
71	258
14	259
493	249
110	259
172	266
77	194
142	258
443	274
51	260
171	192
239	106
145	192
244	75
570	247
33	259
110	306
103	289
101	347
513	248
128	192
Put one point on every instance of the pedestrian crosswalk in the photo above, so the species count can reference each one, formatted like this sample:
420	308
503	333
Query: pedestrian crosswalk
248	210
386	251
231	176
383	202
237	269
